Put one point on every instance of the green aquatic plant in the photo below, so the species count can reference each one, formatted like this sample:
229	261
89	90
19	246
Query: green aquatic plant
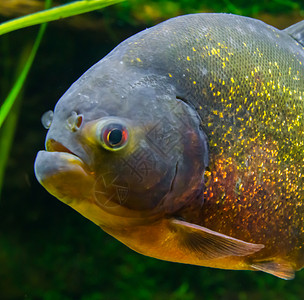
62	255
10	106
60	12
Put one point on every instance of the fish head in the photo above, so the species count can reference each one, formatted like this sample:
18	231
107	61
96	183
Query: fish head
120	153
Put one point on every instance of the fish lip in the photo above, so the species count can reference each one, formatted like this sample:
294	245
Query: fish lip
63	155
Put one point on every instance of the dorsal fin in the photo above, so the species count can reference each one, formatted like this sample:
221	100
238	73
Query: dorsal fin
296	31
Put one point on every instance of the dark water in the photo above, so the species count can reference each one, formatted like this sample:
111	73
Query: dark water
47	250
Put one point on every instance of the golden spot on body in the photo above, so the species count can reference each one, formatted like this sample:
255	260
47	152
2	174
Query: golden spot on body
213	51
169	75
188	58
193	49
232	80
194	82
138	59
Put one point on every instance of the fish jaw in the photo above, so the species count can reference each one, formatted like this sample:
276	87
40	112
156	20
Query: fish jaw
64	175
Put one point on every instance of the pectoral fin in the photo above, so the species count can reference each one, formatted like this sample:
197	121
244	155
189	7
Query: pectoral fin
296	31
208	244
283	269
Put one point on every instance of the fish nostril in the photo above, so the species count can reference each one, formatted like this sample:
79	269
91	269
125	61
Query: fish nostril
54	146
47	119
78	121
74	121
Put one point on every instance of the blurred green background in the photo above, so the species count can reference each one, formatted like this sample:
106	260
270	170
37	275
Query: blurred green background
47	250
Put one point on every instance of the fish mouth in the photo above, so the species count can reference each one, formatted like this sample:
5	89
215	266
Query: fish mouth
56	158
62	173
54	146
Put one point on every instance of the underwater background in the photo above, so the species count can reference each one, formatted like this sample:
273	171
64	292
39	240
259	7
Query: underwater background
47	250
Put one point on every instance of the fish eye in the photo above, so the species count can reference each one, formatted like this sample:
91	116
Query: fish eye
114	136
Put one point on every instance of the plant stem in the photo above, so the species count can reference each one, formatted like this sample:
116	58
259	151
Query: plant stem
9	101
9	110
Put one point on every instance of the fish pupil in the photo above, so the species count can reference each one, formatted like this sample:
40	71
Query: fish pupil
115	137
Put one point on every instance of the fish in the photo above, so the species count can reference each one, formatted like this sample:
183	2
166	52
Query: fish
186	143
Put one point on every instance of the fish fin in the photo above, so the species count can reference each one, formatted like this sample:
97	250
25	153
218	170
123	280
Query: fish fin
208	244
296	31
282	270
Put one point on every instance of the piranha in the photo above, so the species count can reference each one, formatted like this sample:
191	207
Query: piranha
186	143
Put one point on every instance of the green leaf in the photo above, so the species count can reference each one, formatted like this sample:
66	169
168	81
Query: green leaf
56	13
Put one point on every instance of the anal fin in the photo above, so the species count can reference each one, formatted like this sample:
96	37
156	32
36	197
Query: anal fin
282	270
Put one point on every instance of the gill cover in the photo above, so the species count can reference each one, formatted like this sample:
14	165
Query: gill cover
148	162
